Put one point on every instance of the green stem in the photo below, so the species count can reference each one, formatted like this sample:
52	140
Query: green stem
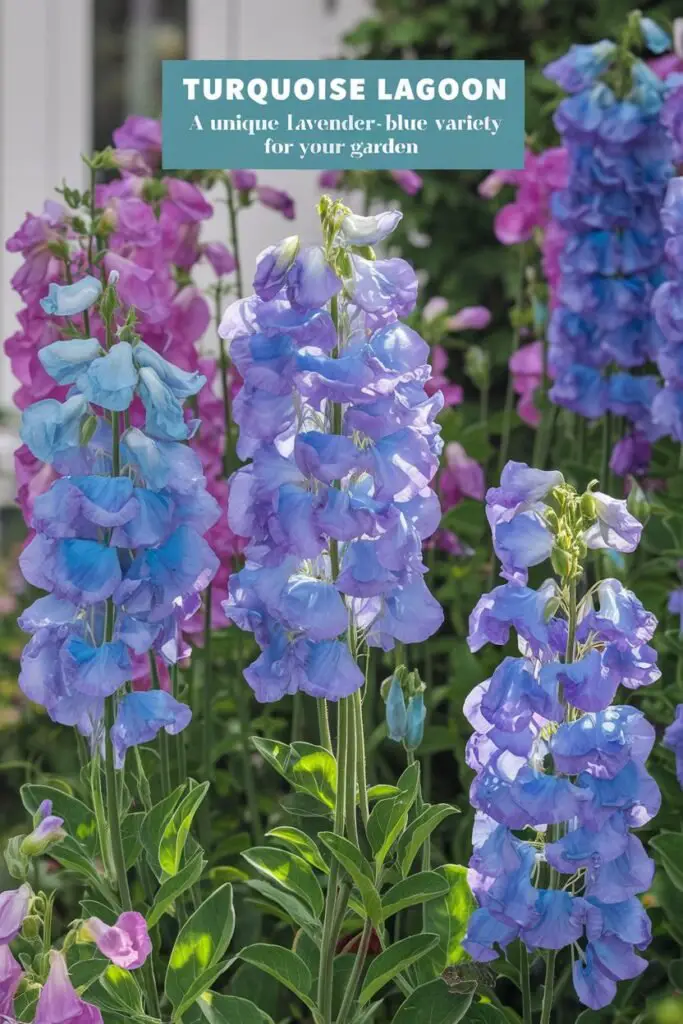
516	336
234	237
324	724
182	752
606	450
207	722
163	735
551	954
356	973
361	769
100	816
526	984
333	912
256	828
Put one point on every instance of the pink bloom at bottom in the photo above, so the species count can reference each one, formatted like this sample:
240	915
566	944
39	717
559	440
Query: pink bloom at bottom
59	1003
126	943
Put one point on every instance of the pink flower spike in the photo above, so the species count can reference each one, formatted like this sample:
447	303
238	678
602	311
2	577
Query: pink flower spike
58	1002
126	943
13	909
472	318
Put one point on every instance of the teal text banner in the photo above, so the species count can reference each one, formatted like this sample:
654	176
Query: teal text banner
365	114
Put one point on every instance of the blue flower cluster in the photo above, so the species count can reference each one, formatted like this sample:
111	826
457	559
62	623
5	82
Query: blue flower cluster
117	538
343	443
619	166
560	771
667	306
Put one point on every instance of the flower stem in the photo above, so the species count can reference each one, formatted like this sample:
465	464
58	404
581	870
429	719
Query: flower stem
256	828
526	984
354	980
361	769
163	735
516	337
551	955
207	723
324	724
334	901
234	237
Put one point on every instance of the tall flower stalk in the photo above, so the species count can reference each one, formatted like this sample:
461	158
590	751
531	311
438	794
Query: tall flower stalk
336	498
560	778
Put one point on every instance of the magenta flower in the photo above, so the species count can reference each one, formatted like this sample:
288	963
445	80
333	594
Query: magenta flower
526	367
276	200
143	135
408	181
126	943
59	1003
13	909
243	181
330	179
434	308
470	318
452	393
10	976
461	477
220	258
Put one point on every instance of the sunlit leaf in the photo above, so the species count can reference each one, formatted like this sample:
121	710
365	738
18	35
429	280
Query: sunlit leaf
392	961
199	946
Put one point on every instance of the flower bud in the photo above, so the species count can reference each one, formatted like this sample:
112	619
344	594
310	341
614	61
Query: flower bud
637	502
416	715
588	506
561	562
88	428
17	864
395	712
31	927
45	835
477	366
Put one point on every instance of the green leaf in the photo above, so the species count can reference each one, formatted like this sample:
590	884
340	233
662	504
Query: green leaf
381	791
93	908
130	835
289	871
419	831
276	753
392	961
200	985
295	910
426	885
303	844
433	1003
153	826
231	1010
315	772
174	887
484	1013
388	817
283	964
69	854
669	845
79	820
84	973
447	916
199	945
123	989
676	974
177	829
355	864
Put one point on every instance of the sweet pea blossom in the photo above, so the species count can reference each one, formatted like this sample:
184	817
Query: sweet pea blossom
126	943
14	904
58	1002
334	525
550	748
